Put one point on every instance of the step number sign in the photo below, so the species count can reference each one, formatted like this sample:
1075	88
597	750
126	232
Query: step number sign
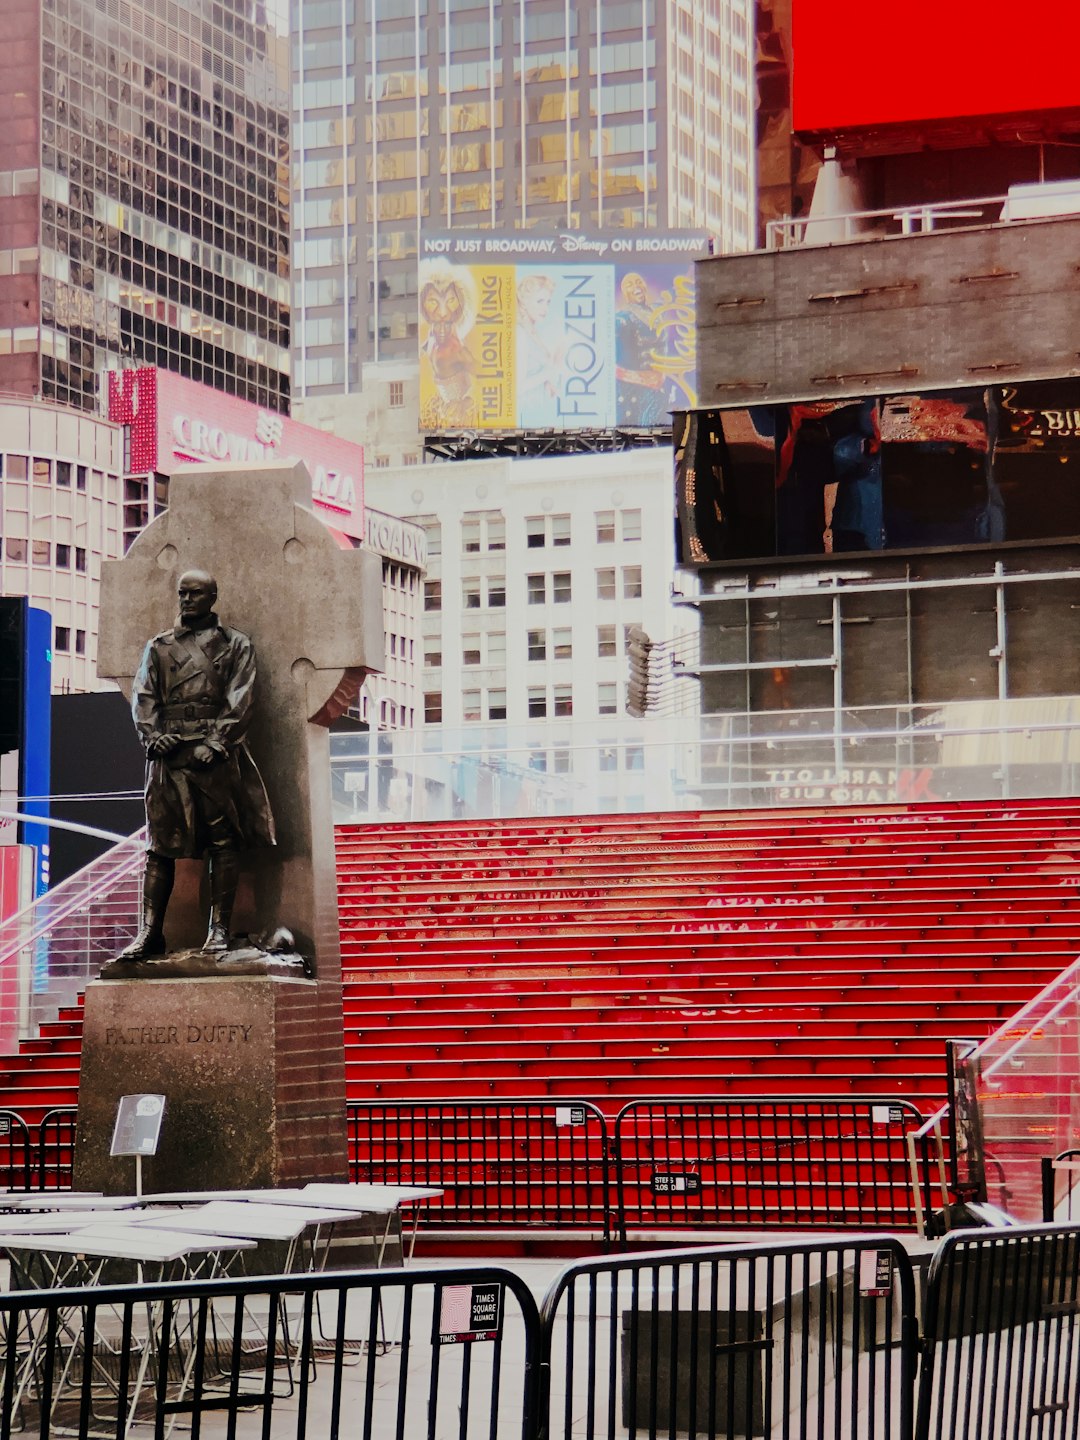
679	1182
138	1125
469	1312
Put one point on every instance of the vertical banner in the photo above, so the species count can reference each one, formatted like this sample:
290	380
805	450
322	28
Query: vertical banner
655	342
566	374
467	358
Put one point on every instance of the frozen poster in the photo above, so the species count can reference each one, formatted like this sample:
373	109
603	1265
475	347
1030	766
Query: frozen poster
565	375
655	345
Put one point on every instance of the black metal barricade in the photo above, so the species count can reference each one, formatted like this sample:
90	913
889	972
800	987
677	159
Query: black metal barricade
16	1152
1001	1346
55	1160
785	1340
525	1163
756	1162
402	1354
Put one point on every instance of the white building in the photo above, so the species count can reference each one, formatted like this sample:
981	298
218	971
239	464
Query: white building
61	515
536	570
393	700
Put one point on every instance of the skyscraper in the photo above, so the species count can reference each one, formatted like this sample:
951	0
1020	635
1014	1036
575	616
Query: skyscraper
493	114
144	195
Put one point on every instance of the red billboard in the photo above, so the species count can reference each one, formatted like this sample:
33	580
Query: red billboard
867	63
176	422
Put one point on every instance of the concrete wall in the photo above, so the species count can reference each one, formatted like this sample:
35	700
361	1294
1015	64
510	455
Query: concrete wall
957	307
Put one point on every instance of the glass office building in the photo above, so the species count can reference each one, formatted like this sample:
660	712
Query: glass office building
144	195
440	115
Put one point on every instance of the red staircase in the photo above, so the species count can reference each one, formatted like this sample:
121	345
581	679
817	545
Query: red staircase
618	957
611	958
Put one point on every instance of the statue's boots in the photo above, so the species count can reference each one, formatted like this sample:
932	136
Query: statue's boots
224	877
157	887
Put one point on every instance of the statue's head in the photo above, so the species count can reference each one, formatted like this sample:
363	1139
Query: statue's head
196	592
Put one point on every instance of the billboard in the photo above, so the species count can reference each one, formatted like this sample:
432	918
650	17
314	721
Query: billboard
576	331
174	422
909	471
857	65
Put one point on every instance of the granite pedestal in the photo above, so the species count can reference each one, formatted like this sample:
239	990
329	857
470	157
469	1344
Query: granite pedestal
252	1099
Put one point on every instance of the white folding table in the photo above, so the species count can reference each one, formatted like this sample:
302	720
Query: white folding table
78	1259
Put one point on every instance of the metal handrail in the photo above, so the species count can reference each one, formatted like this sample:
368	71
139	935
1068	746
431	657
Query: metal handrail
58	905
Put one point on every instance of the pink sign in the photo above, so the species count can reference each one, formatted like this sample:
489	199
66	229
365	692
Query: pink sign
178	422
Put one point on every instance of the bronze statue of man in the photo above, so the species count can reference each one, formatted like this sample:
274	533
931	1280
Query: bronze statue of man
192	702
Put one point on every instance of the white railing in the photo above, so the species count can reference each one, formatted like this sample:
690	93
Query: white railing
50	948
970	750
790	233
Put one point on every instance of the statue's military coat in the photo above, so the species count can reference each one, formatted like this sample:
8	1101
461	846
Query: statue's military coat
199	684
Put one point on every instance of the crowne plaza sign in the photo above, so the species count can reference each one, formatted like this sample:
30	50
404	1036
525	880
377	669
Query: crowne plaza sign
172	422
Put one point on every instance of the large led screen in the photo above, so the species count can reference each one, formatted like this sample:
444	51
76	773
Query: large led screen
857	64
525	331
899	472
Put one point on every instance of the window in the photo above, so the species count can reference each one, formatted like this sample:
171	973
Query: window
40	552
496	533
534	532
537	589
432	594
470	536
409	458
397	394
496	704
470	593
605	527
470	649
63	557
537	703
634	757
609	757
607	698
382	462
80	477
496	592
537	645
80	642
432	707
432	651
80	559
16	550
561	587
560	530
496	648
564	700
631	582
63	639
470	704
631	524
63	474
562	644
606	644
42	471
562	762
605	584
433	538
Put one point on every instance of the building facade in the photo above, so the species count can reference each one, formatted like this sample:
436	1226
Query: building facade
498	114
62	512
144	196
535	572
